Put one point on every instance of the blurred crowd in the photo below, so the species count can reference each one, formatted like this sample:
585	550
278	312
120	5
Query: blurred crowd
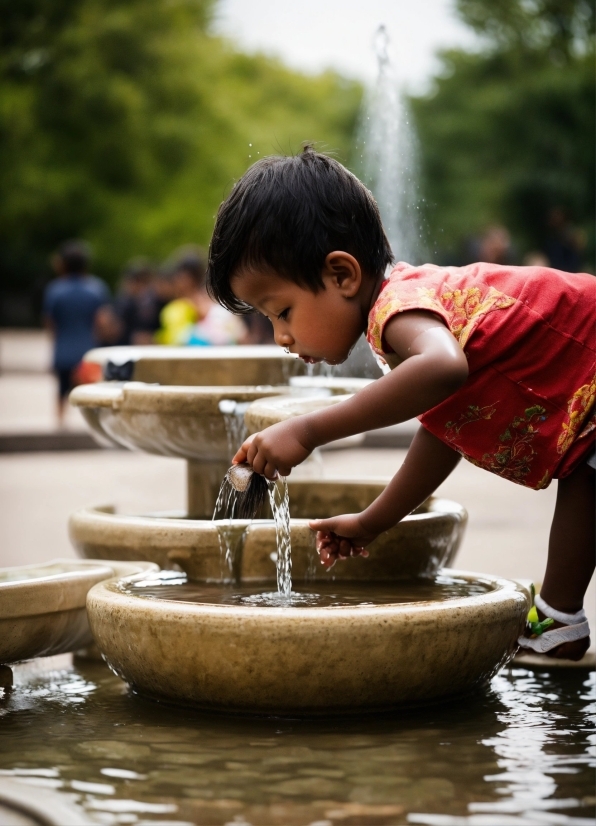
169	305
165	304
562	247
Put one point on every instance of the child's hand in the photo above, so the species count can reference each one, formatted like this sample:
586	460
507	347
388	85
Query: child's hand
341	537
275	450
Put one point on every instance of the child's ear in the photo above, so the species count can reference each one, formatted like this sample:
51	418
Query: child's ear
343	272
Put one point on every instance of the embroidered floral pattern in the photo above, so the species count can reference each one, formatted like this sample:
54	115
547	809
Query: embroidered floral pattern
461	309
466	308
473	413
578	407
514	456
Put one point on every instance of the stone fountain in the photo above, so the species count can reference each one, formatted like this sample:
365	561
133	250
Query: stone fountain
396	627
42	607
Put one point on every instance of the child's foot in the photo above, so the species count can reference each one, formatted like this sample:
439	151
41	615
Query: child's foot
573	650
554	633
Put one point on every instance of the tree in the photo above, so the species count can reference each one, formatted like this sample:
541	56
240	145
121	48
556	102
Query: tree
508	134
125	121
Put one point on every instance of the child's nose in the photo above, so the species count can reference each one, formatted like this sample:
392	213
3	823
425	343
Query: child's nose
283	338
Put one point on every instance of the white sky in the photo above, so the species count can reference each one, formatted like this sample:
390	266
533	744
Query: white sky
312	35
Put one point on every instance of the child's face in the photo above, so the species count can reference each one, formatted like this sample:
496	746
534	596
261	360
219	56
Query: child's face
322	326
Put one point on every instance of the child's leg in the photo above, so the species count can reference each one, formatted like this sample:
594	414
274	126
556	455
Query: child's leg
571	552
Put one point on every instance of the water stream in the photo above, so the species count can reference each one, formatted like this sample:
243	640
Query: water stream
280	508
231	538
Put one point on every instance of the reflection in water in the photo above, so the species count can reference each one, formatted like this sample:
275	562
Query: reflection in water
516	754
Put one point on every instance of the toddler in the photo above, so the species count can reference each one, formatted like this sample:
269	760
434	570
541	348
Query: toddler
497	362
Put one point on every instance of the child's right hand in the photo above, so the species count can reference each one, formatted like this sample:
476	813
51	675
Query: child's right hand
341	537
275	450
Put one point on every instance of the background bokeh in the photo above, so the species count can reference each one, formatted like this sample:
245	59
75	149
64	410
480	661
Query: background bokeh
126	122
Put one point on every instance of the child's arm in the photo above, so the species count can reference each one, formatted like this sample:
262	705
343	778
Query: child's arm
433	367
428	463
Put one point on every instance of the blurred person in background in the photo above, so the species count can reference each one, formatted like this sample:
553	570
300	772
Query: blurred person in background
564	244
259	329
535	258
493	246
192	318
71	305
138	305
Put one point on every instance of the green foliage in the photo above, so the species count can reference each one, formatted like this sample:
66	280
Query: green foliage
126	121
563	27
509	133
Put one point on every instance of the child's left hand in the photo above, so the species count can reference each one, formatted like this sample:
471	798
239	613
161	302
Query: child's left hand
341	537
275	450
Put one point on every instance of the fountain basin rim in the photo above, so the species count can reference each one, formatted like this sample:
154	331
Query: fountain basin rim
112	590
122	354
133	395
63	590
106	515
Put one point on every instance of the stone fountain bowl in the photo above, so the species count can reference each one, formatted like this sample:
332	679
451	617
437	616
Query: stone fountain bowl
265	412
42	607
195	366
307	660
165	420
418	546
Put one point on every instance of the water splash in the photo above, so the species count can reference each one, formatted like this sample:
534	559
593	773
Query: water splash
387	157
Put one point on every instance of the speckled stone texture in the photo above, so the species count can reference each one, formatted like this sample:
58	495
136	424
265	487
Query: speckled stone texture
307	660
42	607
420	544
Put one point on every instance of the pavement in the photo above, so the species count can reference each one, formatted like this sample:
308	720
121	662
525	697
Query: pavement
507	534
28	388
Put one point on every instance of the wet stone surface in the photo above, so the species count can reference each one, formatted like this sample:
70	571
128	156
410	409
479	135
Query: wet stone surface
516	753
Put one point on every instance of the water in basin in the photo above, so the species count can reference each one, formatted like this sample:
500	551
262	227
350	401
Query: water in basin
174	586
518	753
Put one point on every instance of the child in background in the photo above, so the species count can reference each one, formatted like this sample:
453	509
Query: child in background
498	362
192	318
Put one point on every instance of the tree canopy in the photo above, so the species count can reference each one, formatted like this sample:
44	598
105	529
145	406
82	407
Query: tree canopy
508	133
126	121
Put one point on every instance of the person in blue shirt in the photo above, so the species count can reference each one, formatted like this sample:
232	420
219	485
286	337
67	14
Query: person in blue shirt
70	307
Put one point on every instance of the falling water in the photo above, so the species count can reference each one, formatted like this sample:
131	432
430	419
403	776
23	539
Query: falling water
387	157
233	416
280	507
231	536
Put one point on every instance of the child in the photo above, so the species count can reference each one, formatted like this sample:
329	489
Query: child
497	362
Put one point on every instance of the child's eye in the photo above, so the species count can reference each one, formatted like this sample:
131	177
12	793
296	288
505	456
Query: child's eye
284	314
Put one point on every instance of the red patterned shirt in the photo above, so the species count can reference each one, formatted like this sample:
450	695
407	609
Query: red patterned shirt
526	411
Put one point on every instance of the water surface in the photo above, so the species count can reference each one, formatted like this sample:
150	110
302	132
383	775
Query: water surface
518	754
173	586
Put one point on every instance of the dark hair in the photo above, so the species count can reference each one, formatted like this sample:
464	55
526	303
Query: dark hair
194	266
289	213
75	256
189	259
138	271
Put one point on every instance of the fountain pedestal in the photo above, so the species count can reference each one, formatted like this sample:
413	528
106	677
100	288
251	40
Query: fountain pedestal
203	480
